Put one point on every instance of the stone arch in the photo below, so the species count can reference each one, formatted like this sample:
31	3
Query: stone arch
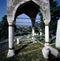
19	4
12	10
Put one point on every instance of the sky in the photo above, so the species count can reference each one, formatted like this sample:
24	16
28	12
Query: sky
3	9
26	21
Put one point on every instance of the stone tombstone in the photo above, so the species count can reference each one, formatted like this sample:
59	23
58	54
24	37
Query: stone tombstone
58	35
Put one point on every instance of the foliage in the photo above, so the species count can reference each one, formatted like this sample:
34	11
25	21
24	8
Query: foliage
4	28
55	14
29	53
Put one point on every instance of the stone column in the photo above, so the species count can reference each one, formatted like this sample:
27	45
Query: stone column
33	31
46	35
11	40
33	39
40	32
17	41
46	49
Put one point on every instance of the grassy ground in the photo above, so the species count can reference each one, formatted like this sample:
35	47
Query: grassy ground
29	52
26	51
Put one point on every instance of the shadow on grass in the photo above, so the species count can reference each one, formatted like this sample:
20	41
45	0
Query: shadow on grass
23	47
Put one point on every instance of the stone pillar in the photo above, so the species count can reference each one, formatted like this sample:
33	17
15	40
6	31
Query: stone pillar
11	40
17	40
46	35
33	31
40	32
33	39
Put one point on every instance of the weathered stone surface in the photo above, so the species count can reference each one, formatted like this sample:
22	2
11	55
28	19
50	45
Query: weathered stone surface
43	4
58	35
30	8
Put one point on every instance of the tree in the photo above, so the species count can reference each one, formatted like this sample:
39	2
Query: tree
4	27
55	14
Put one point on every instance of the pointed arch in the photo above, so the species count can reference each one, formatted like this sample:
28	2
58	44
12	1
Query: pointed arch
23	19
20	4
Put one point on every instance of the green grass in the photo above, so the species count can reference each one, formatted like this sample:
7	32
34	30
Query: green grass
27	52
31	52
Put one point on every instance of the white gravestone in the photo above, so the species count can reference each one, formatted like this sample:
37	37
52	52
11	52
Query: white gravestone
58	35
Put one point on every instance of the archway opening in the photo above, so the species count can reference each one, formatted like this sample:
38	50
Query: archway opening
29	8
23	24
